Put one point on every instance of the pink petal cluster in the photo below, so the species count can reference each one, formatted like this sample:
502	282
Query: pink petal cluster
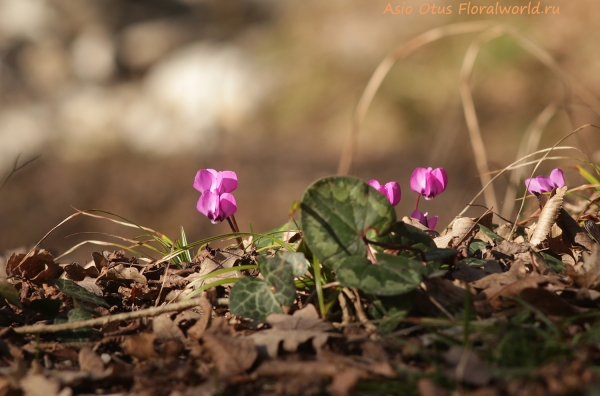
391	190
542	184
422	218
216	202
428	182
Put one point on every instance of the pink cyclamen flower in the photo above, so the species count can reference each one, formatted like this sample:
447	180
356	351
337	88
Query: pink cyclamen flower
542	184
217	182
216	202
391	190
428	182
422	218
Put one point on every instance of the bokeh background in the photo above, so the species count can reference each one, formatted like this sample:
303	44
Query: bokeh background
126	99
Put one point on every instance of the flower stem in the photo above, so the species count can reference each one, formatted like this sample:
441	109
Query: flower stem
235	228
417	201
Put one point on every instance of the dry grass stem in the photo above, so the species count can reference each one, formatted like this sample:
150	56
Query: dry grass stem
529	143
383	69
471	115
104	320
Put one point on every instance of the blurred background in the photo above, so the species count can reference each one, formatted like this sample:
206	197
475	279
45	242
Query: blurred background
125	100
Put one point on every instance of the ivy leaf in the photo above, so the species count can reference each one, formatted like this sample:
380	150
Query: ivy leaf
79	293
77	335
252	298
337	212
279	275
10	293
257	298
392	275
298	262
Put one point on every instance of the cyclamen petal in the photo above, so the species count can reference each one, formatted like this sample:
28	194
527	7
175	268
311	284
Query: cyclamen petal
218	182
432	222
228	206
418	180
391	190
428	182
557	178
541	184
205	180
375	184
208	205
422	218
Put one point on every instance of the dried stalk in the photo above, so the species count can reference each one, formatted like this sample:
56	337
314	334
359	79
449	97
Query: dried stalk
104	320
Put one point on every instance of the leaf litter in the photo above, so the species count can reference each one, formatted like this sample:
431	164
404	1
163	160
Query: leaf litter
482	313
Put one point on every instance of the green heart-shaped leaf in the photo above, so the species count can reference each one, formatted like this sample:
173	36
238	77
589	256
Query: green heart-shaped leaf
257	298
337	213
392	275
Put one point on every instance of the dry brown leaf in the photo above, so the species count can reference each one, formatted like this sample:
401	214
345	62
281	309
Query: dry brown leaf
509	248
548	216
517	270
39	385
466	366
278	368
141	346
90	362
549	303
220	260
166	329
306	318
38	268
377	357
427	387
463	230
269	340
76	272
197	329
503	297
125	272
345	380
232	356
587	273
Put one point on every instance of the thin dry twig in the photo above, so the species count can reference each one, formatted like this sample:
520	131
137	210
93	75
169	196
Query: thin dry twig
529	142
512	231
16	167
471	115
513	165
383	69
104	320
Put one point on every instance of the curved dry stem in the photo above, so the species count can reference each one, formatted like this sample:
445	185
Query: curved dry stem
383	69
104	320
529	142
538	164
512	166
471	115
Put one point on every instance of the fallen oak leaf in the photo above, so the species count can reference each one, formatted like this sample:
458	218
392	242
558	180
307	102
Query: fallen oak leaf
306	318
270	340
